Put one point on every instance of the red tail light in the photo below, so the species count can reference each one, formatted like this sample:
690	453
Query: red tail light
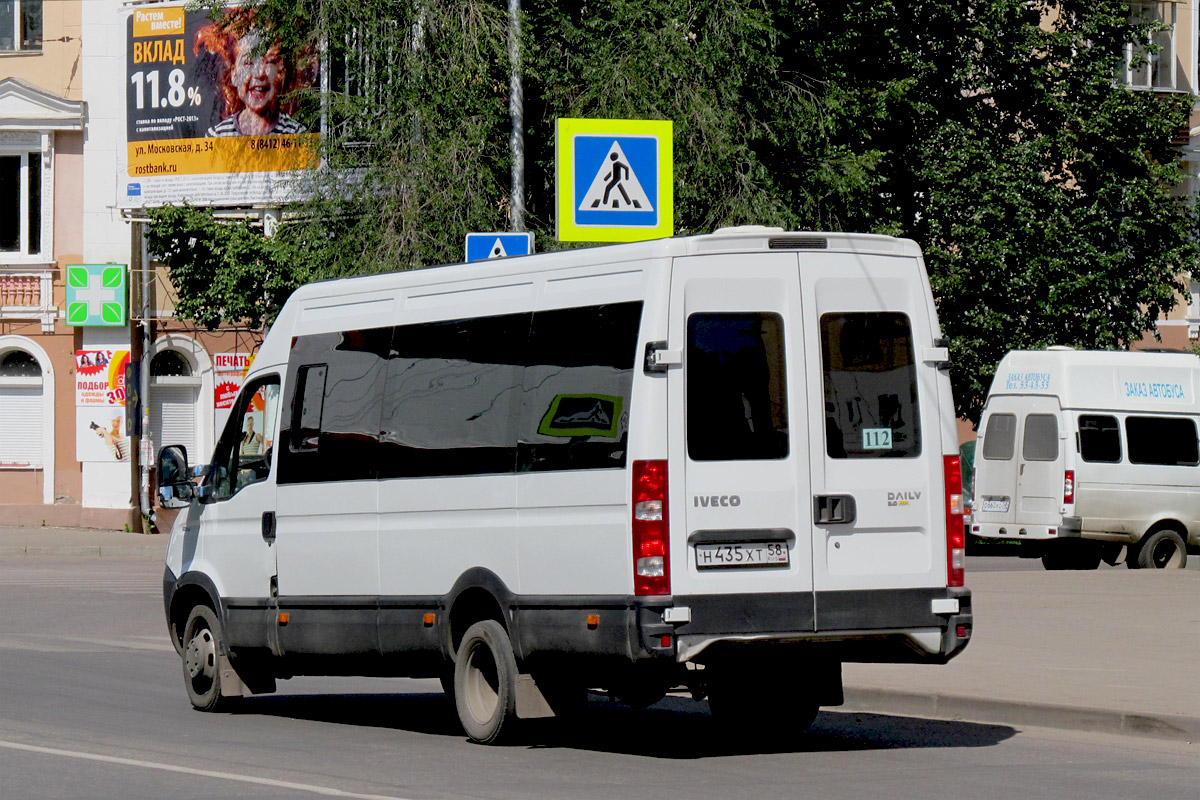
956	537
651	542
1069	486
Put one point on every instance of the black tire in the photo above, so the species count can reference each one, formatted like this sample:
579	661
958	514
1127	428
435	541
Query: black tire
485	683
1163	549
203	645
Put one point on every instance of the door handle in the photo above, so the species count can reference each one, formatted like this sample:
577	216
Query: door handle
268	527
834	509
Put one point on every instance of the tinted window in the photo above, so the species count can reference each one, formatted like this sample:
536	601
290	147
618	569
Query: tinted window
453	396
345	370
1161	440
999	438
736	387
1040	441
1099	439
870	380
576	388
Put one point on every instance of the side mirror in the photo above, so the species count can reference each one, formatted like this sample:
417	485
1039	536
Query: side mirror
172	465
176	495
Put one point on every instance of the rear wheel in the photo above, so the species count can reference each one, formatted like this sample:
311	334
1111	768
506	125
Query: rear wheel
485	683
203	647
1164	549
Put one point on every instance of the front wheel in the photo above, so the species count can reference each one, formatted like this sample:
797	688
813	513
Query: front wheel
485	683
203	646
1163	549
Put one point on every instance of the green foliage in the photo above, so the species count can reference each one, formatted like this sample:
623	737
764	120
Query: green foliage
1042	193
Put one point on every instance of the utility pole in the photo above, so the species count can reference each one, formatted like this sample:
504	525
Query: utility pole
516	112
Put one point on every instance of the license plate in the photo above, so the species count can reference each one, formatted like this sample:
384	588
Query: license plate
743	554
998	505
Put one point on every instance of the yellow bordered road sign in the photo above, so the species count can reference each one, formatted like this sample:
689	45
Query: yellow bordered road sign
614	180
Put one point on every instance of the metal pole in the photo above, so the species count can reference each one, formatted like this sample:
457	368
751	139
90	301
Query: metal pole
516	111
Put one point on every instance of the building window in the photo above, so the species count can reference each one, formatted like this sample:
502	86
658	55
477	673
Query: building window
21	410
174	402
21	203
20	25
1153	67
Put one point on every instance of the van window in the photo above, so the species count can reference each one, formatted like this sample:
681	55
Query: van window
999	438
1099	439
1162	440
870	380
577	384
1040	440
453	396
335	437
243	453
736	387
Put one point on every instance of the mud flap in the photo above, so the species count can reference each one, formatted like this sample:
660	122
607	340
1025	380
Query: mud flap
231	682
531	703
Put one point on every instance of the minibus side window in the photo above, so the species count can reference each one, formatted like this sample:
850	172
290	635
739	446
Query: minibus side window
577	385
999	438
1162	440
870	379
335	391
1099	439
736	387
243	454
1040	440
452	397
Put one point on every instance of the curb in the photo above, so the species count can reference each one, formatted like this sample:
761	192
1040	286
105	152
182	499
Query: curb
94	551
1045	715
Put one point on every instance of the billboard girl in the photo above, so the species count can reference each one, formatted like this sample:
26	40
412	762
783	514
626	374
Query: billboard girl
255	81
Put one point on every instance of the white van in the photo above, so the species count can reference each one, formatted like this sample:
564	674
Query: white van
726	462
1089	455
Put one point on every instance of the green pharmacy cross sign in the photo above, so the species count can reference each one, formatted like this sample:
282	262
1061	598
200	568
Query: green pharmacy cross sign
96	294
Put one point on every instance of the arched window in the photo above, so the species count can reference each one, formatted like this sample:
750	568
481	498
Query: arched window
174	402
170	363
21	409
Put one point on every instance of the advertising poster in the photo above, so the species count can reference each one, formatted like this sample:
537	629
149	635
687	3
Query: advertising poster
213	110
100	433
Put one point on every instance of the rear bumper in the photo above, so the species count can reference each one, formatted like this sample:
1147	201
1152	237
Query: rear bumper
929	625
1016	532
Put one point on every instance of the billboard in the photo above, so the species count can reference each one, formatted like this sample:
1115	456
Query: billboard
100	405
213	110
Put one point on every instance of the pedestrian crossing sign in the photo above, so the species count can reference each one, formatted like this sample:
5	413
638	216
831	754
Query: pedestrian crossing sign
613	180
481	246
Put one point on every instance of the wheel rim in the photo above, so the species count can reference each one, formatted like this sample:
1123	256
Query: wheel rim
481	687
1165	554
200	658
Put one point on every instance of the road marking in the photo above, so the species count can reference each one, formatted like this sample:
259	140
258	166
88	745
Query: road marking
206	773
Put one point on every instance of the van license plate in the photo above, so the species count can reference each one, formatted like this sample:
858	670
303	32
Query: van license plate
744	554
998	505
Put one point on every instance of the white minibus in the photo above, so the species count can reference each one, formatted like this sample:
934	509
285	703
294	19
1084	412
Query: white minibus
1091	455
723	464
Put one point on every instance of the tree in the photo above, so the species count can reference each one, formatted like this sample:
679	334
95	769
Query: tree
992	132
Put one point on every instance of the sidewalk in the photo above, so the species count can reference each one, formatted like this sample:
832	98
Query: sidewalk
1113	650
19	541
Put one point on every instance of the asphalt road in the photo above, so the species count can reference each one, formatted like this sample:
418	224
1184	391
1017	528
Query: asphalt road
92	706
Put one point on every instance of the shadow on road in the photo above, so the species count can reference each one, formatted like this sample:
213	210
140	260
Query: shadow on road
676	728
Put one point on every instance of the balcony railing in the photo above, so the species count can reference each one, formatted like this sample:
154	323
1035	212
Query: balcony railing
28	296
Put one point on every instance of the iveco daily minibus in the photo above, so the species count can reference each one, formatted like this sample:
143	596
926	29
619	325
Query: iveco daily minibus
724	462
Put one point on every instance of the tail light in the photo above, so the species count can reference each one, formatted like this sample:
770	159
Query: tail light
956	537
651	541
1069	486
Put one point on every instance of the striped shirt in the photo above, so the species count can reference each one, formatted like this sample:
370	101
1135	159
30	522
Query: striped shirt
283	125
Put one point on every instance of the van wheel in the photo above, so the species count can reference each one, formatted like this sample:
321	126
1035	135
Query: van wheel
485	683
1162	550
203	644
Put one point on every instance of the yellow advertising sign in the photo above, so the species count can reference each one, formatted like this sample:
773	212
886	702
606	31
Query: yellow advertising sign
223	154
158	22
